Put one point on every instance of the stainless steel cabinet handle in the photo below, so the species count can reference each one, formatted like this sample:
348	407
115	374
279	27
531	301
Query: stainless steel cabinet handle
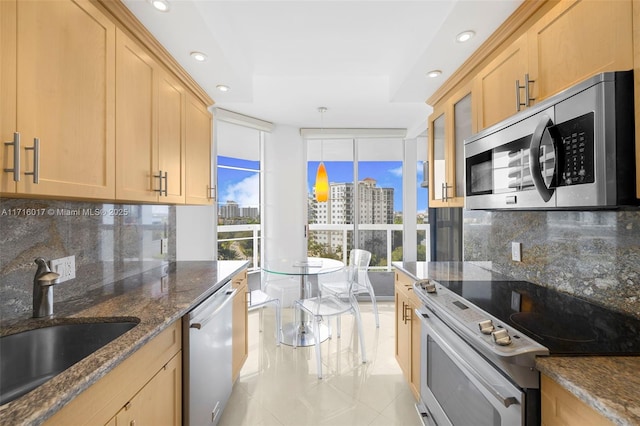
166	184
407	313
519	104
445	191
16	157
159	177
36	160
212	192
527	91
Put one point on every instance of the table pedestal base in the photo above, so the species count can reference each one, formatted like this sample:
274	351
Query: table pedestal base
302	334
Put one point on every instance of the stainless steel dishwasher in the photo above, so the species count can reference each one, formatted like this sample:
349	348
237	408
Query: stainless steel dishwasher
207	334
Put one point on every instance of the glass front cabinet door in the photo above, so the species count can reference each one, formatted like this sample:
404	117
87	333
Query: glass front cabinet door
449	125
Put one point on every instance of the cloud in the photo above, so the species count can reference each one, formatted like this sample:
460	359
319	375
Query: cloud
396	172
245	192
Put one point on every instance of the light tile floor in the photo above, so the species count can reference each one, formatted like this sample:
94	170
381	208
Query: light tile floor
279	385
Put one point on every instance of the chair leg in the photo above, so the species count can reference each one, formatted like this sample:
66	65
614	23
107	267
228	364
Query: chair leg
375	308
338	325
316	331
356	314
260	319
278	322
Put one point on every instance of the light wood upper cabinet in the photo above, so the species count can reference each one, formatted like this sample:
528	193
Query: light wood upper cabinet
578	39
58	62
107	105
450	124
136	134
498	84
150	131
198	134
573	41
171	137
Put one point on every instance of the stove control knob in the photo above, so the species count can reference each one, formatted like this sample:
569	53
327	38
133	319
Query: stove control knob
430	287
427	286
501	337
486	327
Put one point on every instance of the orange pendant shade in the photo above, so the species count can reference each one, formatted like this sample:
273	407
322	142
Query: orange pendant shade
322	183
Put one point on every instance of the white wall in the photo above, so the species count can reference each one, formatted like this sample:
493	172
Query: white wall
284	216
195	232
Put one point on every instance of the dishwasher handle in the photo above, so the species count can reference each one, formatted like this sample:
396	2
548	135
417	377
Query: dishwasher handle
202	322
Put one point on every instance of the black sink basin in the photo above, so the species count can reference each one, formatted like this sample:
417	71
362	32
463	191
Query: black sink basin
30	358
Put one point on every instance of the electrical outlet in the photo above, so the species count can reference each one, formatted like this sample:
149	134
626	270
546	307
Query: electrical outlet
164	245
516	252
65	267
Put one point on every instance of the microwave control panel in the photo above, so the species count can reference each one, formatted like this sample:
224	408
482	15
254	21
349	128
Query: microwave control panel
576	151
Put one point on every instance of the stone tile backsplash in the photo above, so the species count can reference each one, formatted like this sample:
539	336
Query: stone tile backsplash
592	254
109	241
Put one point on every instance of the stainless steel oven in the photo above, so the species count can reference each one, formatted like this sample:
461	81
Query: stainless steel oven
475	368
573	150
458	386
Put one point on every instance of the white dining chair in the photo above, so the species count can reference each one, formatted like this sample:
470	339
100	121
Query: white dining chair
338	283
327	305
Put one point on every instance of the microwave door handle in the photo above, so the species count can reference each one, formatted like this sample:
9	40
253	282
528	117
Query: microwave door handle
534	158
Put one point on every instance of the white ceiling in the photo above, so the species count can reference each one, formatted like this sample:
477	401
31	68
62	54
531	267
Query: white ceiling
363	60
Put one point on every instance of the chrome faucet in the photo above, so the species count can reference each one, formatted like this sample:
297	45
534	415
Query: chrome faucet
43	289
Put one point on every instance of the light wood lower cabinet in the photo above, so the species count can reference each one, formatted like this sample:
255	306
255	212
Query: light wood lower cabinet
146	387
240	324
158	403
561	408
407	328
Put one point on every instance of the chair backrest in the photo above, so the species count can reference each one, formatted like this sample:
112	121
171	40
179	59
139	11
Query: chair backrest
359	260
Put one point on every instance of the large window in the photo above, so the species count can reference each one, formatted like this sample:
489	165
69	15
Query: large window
238	181
365	204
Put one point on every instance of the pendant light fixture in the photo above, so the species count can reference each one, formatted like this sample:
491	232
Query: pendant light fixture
322	180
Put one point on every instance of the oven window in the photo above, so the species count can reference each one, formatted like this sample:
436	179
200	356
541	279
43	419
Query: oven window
461	401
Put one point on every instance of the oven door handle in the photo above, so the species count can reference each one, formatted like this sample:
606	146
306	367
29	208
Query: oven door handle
507	401
544	124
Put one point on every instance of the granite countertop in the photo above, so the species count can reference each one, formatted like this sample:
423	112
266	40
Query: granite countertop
608	384
156	298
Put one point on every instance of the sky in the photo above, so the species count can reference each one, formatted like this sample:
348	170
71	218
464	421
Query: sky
243	186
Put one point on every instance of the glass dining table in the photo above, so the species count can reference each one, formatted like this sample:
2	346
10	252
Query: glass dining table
300	333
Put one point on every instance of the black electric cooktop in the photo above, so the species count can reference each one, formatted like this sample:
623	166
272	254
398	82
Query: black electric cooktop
565	324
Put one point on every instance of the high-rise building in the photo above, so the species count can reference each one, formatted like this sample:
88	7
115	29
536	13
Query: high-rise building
374	206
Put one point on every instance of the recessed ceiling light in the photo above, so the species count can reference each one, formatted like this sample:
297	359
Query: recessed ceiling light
199	56
223	88
434	73
161	5
465	36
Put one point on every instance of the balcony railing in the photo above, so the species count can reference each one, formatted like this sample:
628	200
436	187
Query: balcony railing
243	242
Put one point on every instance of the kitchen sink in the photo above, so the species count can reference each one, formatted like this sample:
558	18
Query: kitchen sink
30	358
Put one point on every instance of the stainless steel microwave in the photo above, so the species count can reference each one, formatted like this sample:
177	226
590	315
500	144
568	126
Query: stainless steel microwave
575	150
